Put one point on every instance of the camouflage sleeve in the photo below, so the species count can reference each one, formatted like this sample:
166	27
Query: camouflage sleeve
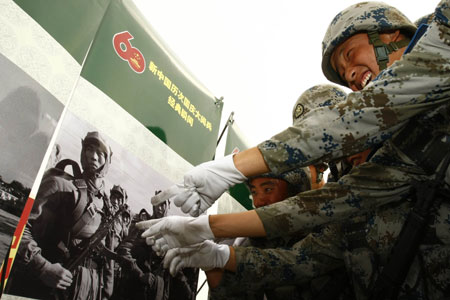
262	269
415	84
366	187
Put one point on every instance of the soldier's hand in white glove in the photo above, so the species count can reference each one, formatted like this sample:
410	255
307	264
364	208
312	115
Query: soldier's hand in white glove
175	231
202	186
206	255
56	276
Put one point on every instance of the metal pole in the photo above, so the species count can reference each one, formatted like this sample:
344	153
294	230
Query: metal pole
229	121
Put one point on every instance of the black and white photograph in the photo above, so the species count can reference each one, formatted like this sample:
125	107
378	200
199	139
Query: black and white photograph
81	240
28	117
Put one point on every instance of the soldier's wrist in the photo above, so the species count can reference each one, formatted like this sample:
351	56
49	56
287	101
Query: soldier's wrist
39	265
231	263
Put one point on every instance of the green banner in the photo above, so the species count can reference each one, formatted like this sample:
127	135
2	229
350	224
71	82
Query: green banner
132	66
235	143
72	23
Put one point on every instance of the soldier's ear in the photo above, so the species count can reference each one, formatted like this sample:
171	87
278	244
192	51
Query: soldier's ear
391	36
396	35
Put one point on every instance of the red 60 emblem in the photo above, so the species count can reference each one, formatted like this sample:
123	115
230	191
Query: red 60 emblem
122	45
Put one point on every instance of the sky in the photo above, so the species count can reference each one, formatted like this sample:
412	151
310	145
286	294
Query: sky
259	55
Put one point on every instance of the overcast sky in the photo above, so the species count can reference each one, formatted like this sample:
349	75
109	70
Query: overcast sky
259	55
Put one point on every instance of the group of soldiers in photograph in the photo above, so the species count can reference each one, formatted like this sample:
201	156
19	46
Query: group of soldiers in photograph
82	243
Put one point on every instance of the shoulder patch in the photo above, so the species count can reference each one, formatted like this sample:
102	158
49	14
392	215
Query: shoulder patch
299	109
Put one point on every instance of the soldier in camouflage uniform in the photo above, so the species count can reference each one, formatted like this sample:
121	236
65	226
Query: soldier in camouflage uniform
414	87
393	168
247	283
416	84
265	189
67	210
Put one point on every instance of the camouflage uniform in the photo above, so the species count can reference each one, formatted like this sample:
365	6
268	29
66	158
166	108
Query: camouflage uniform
298	268
417	85
67	211
278	268
361	250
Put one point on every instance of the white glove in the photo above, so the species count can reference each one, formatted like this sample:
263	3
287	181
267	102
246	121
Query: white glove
202	186
207	255
175	231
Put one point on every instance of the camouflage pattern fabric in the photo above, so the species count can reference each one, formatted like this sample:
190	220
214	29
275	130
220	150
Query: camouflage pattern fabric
379	189
426	278
416	84
329	249
283	272
320	95
334	246
424	20
388	176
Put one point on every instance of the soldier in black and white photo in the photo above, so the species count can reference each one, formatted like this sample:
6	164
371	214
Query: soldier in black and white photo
147	279
69	211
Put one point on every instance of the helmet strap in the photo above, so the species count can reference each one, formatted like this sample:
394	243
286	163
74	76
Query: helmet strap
383	50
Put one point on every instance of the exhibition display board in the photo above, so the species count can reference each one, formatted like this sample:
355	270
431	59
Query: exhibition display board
73	71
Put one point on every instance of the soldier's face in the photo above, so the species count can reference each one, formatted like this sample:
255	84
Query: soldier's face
355	61
159	211
116	199
95	158
266	191
143	216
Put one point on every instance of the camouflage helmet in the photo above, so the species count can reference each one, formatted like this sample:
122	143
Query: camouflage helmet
95	138
298	180
118	189
426	19
317	96
362	17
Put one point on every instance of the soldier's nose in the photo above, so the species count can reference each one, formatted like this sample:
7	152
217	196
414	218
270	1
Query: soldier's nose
95	156
350	75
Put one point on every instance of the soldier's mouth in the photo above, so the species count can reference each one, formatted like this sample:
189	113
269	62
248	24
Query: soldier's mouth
93	167
366	79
